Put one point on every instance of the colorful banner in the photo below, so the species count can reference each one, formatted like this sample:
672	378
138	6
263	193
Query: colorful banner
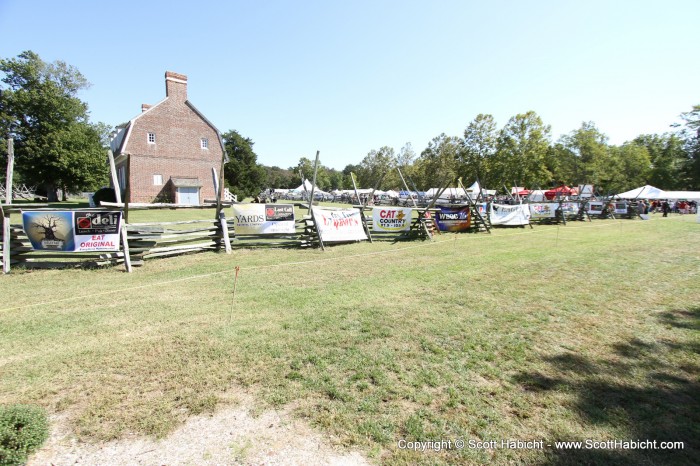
595	208
391	219
339	224
510	215
543	210
263	219
72	231
453	218
570	209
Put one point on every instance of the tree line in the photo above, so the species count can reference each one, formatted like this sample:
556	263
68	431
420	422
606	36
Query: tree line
58	147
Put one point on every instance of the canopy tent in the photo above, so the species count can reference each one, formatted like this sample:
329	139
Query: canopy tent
644	192
392	194
536	195
560	191
305	186
687	195
474	190
448	193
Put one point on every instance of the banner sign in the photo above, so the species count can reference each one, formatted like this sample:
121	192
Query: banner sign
570	209
511	215
543	210
391	219
453	218
263	219
620	207
595	208
72	231
339	224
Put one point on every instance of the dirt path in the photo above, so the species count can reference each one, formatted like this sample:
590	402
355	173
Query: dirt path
230	436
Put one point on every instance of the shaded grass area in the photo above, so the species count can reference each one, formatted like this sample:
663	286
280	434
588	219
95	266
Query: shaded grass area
584	331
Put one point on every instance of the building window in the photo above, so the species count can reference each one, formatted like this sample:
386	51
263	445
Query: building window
204	142
121	175
157	180
151	138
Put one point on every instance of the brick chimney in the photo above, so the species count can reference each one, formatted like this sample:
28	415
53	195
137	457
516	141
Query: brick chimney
145	107
175	85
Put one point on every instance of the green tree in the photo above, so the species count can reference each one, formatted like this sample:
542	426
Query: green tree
667	159
630	167
478	149
377	164
521	152
690	174
243	175
592	158
437	164
280	178
55	144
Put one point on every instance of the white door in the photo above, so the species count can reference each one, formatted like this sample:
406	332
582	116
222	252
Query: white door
188	196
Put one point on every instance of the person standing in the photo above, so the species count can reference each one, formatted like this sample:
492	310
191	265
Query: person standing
665	208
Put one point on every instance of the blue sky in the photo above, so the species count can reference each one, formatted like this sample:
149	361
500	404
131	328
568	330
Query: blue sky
348	77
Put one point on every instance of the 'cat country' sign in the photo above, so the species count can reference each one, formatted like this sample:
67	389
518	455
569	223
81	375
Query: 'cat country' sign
72	231
391	219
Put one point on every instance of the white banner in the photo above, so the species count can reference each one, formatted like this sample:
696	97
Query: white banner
391	219
543	210
339	224
620	207
263	219
595	208
511	215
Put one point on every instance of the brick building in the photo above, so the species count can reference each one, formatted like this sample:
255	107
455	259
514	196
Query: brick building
171	150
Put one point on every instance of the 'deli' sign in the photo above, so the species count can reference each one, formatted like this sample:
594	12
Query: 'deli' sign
72	231
391	219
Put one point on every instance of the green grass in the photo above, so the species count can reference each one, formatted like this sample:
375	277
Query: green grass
556	333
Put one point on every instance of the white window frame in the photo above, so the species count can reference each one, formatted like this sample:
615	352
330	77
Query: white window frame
204	143
157	180
151	138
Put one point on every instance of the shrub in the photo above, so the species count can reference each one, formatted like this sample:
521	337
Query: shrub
23	428
104	194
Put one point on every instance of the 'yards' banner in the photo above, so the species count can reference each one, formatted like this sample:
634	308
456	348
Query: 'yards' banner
543	210
263	219
510	215
339	224
453	218
72	231
391	219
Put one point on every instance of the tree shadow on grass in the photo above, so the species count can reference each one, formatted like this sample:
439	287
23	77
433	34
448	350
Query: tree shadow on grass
635	393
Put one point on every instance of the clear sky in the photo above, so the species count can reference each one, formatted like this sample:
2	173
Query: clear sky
346	77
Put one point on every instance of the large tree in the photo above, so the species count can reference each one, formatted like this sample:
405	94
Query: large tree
378	165
521	152
56	147
667	159
690	177
592	162
243	175
437	164
478	149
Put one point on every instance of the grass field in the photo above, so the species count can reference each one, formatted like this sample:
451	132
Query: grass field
588	331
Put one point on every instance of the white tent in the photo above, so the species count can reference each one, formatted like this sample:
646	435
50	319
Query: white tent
305	186
474	189
687	195
448	193
644	192
392	194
